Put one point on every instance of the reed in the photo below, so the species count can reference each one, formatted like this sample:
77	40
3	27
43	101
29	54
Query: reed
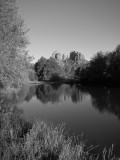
21	140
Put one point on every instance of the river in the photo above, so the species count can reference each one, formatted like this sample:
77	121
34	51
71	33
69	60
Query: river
90	112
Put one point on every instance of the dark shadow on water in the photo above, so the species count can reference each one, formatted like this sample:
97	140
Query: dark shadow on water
105	99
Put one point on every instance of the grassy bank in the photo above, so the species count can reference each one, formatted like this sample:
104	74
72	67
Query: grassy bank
23	140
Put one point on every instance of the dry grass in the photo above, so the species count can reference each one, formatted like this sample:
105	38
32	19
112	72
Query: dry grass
21	140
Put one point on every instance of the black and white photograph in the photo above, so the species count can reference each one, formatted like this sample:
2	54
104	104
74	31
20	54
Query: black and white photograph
59	79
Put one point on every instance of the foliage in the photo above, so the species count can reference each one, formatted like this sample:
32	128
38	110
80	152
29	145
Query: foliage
49	69
98	67
103	68
75	61
12	131
31	73
58	70
39	66
14	60
114	66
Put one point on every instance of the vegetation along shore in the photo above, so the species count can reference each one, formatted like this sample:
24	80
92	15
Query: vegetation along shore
24	140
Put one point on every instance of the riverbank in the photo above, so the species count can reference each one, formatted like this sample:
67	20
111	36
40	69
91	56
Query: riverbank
40	82
77	82
67	81
41	140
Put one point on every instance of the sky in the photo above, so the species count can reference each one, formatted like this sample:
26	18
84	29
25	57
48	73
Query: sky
86	26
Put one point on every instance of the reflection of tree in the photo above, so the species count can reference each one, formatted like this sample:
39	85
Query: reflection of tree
106	99
115	101
31	92
54	93
25	94
76	95
100	98
56	86
48	93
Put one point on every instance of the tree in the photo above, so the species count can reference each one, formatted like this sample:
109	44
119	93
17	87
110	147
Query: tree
39	66
98	66
117	49
103	68
14	60
49	69
114	65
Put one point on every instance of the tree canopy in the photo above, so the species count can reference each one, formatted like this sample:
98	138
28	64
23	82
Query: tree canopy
49	69
14	59
103	68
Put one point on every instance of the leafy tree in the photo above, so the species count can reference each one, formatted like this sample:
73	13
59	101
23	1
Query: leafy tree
14	60
49	69
117	49
102	68
39	66
98	67
79	72
114	65
95	71
52	69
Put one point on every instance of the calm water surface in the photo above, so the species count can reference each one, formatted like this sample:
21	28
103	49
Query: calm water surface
91	111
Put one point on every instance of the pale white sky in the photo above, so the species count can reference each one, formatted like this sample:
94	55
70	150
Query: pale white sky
86	26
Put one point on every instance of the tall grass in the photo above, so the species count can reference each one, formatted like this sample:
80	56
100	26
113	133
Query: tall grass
22	140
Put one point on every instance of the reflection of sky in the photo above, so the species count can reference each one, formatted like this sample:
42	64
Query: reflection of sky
80	117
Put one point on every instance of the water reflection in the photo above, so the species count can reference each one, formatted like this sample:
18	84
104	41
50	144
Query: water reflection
25	94
57	93
102	98
92	110
105	99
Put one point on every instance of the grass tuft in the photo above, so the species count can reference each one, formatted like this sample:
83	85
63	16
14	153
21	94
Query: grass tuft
22	140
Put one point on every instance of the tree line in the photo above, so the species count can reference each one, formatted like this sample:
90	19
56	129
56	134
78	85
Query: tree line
103	68
53	69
